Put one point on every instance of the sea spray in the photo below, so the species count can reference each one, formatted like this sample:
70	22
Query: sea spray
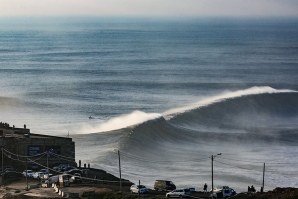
179	149
122	121
223	96
138	117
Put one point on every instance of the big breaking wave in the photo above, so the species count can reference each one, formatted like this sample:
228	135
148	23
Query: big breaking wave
240	124
138	117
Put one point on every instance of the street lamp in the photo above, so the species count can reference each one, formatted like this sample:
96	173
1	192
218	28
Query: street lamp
212	158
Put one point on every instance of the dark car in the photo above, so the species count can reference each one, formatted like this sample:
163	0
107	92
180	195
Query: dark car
12	175
76	179
164	185
73	171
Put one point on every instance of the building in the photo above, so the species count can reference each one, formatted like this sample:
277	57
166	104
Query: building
22	149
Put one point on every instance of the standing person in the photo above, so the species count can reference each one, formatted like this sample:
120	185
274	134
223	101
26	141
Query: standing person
205	188
252	188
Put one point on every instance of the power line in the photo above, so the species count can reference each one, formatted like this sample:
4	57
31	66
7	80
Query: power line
130	156
238	167
22	156
66	159
9	156
58	155
248	161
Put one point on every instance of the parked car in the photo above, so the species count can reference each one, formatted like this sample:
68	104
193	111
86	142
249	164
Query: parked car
44	170
223	192
138	188
37	175
6	169
45	176
40	174
76	178
12	175
62	167
164	185
182	193
73	171
192	189
53	179
29	173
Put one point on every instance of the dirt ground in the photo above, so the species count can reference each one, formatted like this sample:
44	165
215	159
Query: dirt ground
19	190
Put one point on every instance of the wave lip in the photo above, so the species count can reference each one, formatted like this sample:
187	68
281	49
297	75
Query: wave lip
122	121
224	96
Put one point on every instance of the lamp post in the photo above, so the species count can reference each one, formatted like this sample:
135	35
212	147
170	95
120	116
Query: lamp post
27	187
212	158
48	184
120	171
2	158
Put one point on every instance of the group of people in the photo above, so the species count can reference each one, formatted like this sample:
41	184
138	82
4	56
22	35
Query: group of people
251	189
4	125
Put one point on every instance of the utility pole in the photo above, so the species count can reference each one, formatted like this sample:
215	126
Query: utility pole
212	159
27	187
139	189
48	167
263	178
120	171
47	162
2	163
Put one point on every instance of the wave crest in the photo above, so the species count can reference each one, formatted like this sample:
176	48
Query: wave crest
120	122
224	96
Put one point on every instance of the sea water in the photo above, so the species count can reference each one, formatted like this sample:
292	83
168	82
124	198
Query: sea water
167	93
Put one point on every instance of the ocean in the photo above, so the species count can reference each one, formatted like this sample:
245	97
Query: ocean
167	93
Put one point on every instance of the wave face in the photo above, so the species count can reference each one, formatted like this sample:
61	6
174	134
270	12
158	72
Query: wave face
268	110
248	130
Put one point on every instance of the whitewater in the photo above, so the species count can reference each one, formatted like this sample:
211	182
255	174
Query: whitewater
167	93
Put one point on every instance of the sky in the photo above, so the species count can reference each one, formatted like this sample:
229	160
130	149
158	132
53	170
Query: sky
149	8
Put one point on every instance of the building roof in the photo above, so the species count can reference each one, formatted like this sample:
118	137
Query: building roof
12	132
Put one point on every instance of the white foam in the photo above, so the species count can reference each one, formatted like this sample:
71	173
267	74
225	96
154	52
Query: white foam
122	121
223	96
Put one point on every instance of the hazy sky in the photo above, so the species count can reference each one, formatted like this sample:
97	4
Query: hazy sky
150	7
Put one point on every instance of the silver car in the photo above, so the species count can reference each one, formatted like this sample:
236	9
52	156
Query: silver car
182	193
138	188
29	173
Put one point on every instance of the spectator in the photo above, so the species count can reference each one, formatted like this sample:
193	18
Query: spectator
205	188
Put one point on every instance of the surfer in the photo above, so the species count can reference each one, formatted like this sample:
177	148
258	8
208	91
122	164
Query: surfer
90	117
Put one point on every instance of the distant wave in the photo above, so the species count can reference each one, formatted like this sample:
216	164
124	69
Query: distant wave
226	95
